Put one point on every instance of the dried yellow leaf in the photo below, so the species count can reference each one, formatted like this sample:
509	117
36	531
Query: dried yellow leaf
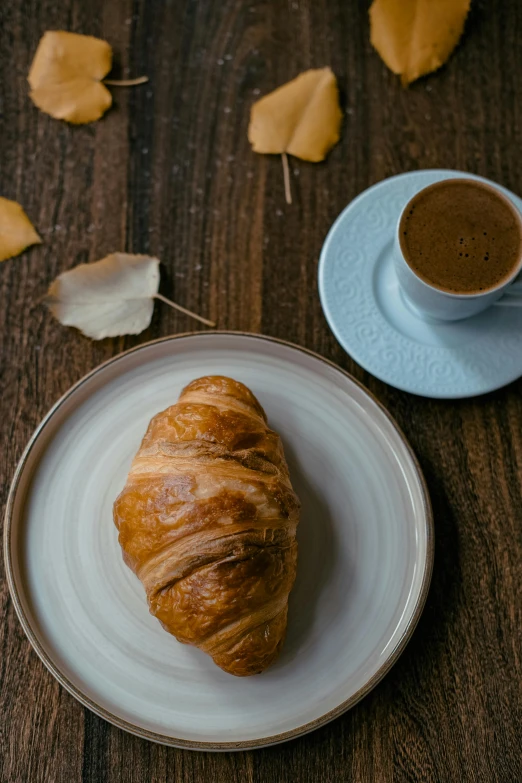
16	230
415	37
66	74
301	118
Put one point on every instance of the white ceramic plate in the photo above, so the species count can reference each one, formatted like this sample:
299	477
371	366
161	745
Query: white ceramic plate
367	313
365	548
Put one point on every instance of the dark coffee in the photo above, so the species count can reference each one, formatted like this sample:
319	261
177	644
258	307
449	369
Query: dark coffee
461	236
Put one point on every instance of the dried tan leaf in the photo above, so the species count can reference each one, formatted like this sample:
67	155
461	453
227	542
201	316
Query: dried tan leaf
16	230
110	297
415	37
301	118
107	298
66	74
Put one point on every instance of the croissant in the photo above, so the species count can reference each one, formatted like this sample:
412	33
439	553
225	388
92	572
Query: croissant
207	521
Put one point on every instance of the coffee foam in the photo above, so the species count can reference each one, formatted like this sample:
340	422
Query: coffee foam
461	236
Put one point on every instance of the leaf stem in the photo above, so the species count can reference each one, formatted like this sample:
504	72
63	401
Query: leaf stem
126	82
286	176
184	310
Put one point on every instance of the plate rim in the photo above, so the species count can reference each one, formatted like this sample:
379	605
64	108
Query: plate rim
433	394
157	737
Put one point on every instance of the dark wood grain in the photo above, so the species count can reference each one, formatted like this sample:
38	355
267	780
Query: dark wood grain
169	171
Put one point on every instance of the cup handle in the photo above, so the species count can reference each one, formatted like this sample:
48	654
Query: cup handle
512	297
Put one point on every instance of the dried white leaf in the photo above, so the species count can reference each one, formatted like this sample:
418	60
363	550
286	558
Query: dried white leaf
107	298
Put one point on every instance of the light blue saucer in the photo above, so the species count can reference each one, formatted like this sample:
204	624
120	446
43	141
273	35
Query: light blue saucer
369	317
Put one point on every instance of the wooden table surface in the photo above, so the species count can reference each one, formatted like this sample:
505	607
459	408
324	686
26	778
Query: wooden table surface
169	171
